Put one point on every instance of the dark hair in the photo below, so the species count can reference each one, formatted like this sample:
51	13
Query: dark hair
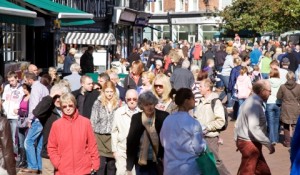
11	74
30	75
202	75
274	73
46	80
181	95
27	87
104	76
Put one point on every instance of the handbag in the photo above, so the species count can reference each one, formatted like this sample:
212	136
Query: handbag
159	163
23	120
207	163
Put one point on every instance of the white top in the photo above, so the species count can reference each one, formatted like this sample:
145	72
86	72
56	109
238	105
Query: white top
12	97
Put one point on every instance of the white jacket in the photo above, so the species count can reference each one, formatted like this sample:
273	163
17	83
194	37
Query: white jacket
12	98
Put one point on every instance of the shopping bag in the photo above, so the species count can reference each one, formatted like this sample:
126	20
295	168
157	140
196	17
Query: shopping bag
207	163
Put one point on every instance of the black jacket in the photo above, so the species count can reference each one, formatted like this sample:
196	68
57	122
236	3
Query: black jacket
136	131
90	98
129	83
7	157
47	114
87	63
220	57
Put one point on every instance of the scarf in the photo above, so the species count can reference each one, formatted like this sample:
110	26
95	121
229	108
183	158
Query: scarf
149	124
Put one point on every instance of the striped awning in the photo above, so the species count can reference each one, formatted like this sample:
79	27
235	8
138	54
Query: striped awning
102	39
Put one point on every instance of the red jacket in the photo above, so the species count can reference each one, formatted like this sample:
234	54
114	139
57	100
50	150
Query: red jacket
72	146
197	52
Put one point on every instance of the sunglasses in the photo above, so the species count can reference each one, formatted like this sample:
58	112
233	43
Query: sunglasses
65	106
131	99
158	86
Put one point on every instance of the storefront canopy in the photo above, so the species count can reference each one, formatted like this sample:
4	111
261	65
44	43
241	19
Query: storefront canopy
12	13
67	15
103	39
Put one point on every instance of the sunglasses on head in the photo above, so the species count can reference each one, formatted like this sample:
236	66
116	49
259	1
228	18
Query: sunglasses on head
158	86
70	106
131	99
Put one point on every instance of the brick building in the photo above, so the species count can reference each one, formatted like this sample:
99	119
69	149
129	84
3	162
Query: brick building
184	19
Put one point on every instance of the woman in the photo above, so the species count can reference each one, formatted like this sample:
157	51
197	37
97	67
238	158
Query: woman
158	67
72	147
54	77
22	124
180	154
273	107
145	125
161	89
147	79
102	119
133	79
289	93
265	65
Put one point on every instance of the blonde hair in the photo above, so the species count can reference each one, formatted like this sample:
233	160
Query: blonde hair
166	85
243	70
50	70
237	61
115	98
150	75
175	57
67	98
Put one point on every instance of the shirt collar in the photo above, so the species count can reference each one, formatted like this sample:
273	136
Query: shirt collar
130	112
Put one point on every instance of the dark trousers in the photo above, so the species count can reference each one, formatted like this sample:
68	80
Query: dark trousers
212	143
149	169
107	166
253	161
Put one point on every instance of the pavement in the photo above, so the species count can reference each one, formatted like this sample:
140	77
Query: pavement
279	162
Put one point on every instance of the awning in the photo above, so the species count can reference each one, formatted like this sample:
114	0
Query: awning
12	13
102	39
67	15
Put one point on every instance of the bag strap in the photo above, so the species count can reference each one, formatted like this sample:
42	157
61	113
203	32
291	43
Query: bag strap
297	98
155	151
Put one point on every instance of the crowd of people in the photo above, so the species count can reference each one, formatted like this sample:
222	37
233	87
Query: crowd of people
171	107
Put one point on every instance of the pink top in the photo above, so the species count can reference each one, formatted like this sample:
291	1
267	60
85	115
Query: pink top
24	105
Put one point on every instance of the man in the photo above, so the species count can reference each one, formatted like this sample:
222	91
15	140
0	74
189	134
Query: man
211	120
166	49
85	96
11	98
120	90
87	61
182	77
293	60
74	78
282	72
48	111
34	136
120	129
251	131
33	69
102	78
255	54
69	60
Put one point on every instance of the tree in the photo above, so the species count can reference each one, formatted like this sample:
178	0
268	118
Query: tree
262	15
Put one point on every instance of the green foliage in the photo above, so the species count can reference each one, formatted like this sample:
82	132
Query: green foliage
262	15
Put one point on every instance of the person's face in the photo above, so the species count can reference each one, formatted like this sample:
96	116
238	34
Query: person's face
101	81
87	84
149	109
56	101
158	66
26	92
145	80
265	93
203	89
68	108
159	87
131	100
297	47
52	72
28	81
109	92
34	69
12	81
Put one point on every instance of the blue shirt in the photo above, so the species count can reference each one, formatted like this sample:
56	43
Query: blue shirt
182	138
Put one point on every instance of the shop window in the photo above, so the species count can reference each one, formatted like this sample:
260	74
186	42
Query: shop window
11	34
159	6
147	8
180	5
193	5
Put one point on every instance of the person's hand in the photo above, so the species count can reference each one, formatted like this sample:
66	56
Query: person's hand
16	111
93	171
29	124
54	93
116	155
271	149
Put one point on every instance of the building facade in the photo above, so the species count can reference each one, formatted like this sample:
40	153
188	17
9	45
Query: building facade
190	20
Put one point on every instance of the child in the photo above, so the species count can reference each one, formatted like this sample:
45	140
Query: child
256	75
243	85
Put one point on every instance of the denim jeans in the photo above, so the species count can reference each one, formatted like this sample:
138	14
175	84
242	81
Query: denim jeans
219	83
33	145
265	75
225	80
273	115
22	135
14	132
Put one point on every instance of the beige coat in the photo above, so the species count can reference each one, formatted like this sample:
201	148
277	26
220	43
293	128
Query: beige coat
209	119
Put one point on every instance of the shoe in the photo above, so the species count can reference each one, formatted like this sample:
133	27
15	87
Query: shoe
27	170
22	163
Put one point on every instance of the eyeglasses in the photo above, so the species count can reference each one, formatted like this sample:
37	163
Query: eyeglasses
158	86
70	106
268	90
131	99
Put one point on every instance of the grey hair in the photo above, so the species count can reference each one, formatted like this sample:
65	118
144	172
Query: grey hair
59	88
185	64
75	67
147	98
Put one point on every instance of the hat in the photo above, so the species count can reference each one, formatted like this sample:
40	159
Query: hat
158	62
285	60
72	51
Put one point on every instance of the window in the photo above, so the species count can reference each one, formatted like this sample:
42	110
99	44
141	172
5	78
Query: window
11	34
180	5
148	7
193	5
159	6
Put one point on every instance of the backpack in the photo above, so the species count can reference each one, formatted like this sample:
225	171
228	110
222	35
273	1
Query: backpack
256	78
213	103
